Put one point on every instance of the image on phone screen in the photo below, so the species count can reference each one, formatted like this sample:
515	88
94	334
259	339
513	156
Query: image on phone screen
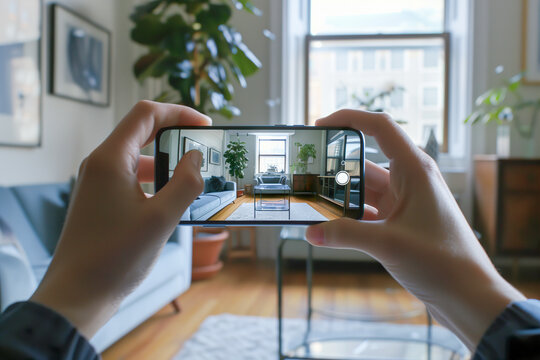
268	175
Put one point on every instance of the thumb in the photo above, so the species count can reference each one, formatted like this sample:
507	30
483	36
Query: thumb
346	233
184	187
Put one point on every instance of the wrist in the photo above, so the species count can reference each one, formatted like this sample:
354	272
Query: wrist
476	306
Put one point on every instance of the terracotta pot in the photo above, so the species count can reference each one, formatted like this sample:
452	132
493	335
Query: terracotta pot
239	193
207	245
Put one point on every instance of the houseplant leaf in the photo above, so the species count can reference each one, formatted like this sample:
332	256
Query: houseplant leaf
148	30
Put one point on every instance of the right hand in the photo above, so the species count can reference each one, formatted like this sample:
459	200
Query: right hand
415	228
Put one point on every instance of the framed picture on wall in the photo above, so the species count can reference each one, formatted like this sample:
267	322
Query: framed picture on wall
531	41
80	58
215	157
20	76
190	144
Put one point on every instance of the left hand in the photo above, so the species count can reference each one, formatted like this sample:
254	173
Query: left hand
113	232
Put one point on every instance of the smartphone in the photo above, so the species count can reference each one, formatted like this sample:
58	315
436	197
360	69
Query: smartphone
268	175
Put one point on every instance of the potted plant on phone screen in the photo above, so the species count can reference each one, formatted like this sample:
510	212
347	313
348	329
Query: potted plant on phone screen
306	154
236	161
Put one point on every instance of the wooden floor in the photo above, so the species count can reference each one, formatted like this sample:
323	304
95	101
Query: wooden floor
249	288
326	209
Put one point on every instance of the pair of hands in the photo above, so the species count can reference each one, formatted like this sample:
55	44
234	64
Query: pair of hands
114	232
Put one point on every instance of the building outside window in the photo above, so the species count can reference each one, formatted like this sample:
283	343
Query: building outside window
399	44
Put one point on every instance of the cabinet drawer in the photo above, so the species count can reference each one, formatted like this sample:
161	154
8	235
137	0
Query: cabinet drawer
521	177
520	224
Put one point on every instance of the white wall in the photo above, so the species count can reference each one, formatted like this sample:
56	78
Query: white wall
70	130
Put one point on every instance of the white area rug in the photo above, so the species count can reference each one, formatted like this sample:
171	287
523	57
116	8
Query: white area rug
225	337
299	212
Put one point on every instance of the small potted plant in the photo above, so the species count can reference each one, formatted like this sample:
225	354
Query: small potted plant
506	106
236	161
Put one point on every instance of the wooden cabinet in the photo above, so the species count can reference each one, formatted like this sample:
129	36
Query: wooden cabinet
305	183
507	205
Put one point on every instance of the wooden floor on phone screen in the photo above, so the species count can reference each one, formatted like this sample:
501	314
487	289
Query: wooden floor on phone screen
249	288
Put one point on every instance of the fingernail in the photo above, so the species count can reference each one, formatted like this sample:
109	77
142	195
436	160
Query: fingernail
196	158
315	235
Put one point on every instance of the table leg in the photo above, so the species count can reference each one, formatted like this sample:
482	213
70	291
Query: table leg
309	279
279	275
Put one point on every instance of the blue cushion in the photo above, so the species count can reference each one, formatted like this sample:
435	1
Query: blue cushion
224	196
15	217
203	205
168	265
46	208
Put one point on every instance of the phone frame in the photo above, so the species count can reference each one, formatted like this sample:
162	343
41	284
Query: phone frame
159	183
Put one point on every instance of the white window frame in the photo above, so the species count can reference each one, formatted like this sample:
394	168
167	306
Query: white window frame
289	19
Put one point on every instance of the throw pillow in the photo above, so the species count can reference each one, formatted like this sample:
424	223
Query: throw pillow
7	238
216	184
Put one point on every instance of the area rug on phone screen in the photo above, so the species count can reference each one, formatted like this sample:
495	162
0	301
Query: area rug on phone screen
299	211
225	337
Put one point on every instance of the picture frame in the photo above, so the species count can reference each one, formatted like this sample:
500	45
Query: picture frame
20	74
530	58
190	144
80	58
215	157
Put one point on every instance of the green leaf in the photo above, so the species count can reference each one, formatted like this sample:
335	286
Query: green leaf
144	9
177	43
473	118
147	65
498	96
246	61
483	99
148	30
184	88
515	82
213	17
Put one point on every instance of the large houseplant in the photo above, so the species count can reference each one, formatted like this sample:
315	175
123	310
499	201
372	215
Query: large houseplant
236	159
305	151
192	44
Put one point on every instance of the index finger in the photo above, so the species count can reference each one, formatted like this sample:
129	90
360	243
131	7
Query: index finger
389	135
141	124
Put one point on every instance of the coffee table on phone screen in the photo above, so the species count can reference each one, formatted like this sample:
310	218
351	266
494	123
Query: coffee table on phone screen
261	204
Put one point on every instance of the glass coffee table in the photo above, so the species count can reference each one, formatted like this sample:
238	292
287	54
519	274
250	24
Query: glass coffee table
262	204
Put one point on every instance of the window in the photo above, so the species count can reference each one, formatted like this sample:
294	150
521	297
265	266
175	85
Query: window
341	97
430	96
272	151
431	58
396	99
399	44
341	60
398	59
369	59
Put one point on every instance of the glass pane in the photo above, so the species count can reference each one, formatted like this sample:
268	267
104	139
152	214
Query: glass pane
271	147
405	77
376	17
272	164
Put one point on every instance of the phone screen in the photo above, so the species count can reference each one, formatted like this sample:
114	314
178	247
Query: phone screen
268	175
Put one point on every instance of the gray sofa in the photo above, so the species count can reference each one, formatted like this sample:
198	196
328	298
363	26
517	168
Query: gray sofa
209	203
271	180
35	216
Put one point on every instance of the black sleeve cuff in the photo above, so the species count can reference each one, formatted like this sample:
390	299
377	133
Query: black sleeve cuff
32	331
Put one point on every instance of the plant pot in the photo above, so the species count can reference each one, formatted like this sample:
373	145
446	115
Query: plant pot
239	193
207	245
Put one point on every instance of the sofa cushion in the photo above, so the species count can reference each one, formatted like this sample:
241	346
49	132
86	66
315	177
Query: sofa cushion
168	265
216	184
204	204
224	196
46	208
14	215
